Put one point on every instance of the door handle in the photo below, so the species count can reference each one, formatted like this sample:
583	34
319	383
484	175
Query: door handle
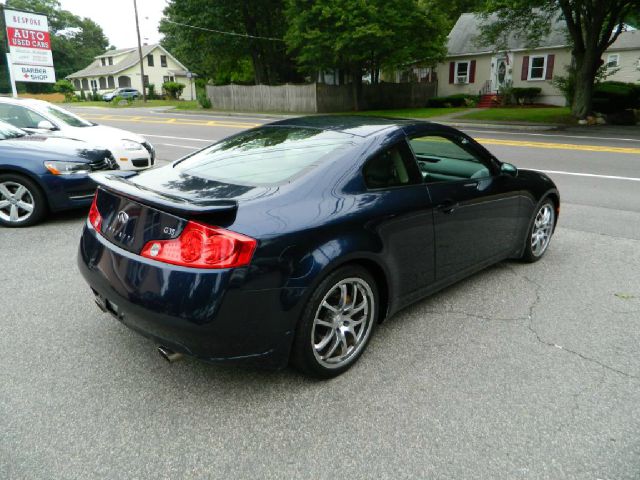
448	206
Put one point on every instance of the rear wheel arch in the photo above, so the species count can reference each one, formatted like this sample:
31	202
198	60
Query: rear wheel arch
376	270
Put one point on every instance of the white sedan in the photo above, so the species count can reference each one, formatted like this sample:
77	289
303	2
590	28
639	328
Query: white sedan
131	151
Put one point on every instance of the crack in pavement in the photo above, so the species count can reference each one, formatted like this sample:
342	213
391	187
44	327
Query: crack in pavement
537	289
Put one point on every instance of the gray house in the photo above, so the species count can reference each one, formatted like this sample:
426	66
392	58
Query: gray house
472	68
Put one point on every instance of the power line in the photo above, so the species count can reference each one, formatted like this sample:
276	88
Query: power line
225	33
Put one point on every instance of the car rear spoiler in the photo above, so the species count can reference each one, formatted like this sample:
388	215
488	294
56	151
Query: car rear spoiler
118	182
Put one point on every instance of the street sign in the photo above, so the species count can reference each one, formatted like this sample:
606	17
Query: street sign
29	46
34	73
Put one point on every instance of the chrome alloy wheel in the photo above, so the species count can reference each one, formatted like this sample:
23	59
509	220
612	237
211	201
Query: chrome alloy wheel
343	322
16	202
542	229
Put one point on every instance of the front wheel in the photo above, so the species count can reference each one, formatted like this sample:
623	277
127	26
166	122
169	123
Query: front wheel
337	323
540	232
22	204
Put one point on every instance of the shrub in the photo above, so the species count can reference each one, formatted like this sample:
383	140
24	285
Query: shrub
524	96
613	97
66	88
151	91
173	89
204	101
457	100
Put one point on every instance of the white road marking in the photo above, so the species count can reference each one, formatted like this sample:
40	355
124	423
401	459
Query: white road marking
190	147
592	175
177	138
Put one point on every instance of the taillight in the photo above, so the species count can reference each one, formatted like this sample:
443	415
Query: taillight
203	246
95	219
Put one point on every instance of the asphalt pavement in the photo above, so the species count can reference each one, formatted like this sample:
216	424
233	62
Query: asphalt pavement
522	371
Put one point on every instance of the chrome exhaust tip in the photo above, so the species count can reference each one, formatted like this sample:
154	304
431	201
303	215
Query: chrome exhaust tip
168	354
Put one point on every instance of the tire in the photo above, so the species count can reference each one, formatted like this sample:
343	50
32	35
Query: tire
17	195
540	232
337	323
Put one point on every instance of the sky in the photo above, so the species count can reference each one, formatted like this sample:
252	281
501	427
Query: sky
116	17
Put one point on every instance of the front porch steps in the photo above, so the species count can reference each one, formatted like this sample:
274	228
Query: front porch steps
490	100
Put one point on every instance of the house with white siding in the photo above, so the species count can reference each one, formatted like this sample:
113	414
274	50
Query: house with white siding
473	68
121	68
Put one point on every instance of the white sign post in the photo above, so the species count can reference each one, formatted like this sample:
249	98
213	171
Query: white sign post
29	58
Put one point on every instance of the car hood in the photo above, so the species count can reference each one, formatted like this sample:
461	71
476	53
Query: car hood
103	135
49	147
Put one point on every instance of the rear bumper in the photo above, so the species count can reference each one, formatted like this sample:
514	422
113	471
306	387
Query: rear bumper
202	313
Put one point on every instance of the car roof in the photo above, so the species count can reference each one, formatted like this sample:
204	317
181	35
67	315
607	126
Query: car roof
23	101
359	125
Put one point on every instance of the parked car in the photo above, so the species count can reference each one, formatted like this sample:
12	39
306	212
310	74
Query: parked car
121	92
43	173
131	151
290	242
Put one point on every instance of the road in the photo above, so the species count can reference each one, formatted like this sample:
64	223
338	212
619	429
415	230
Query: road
522	371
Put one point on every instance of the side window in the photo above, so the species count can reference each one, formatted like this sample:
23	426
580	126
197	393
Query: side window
392	167
19	117
33	119
444	159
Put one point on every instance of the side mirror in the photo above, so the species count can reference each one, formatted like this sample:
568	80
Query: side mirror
46	125
508	169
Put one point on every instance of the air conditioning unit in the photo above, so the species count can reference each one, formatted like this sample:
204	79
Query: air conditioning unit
461	79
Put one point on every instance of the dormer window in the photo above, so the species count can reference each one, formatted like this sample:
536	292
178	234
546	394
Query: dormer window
104	61
110	60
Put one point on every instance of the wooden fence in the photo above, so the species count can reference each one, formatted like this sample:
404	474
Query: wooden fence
318	98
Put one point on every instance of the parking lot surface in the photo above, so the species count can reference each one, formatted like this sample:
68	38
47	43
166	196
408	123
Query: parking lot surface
521	371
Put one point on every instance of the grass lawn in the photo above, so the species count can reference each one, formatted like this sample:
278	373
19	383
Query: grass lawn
178	104
556	115
410	112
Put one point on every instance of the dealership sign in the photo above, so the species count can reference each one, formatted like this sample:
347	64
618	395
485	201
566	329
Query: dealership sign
29	46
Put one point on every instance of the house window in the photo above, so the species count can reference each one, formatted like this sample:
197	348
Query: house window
94	85
538	67
613	60
103	61
167	79
145	80
163	60
150	60
110	60
462	72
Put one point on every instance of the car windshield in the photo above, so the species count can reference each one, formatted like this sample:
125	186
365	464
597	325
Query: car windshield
68	117
265	156
9	131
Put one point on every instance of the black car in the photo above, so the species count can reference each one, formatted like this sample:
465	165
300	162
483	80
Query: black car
291	241
42	173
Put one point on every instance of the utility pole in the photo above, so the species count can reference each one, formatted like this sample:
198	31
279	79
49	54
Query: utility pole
144	88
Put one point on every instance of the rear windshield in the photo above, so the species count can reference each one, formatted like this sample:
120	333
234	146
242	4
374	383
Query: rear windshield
265	156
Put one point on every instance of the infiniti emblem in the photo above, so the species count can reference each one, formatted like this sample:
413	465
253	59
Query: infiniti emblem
123	217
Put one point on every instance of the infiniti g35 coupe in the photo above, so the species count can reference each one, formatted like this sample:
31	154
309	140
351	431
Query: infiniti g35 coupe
42	173
291	241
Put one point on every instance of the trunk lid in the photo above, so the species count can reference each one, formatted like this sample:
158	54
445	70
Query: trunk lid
133	215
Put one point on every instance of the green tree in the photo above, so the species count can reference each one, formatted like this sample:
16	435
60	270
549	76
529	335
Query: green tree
592	26
74	40
358	36
197	38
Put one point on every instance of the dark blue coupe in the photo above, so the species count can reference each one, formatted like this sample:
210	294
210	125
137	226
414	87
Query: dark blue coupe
290	242
44	173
